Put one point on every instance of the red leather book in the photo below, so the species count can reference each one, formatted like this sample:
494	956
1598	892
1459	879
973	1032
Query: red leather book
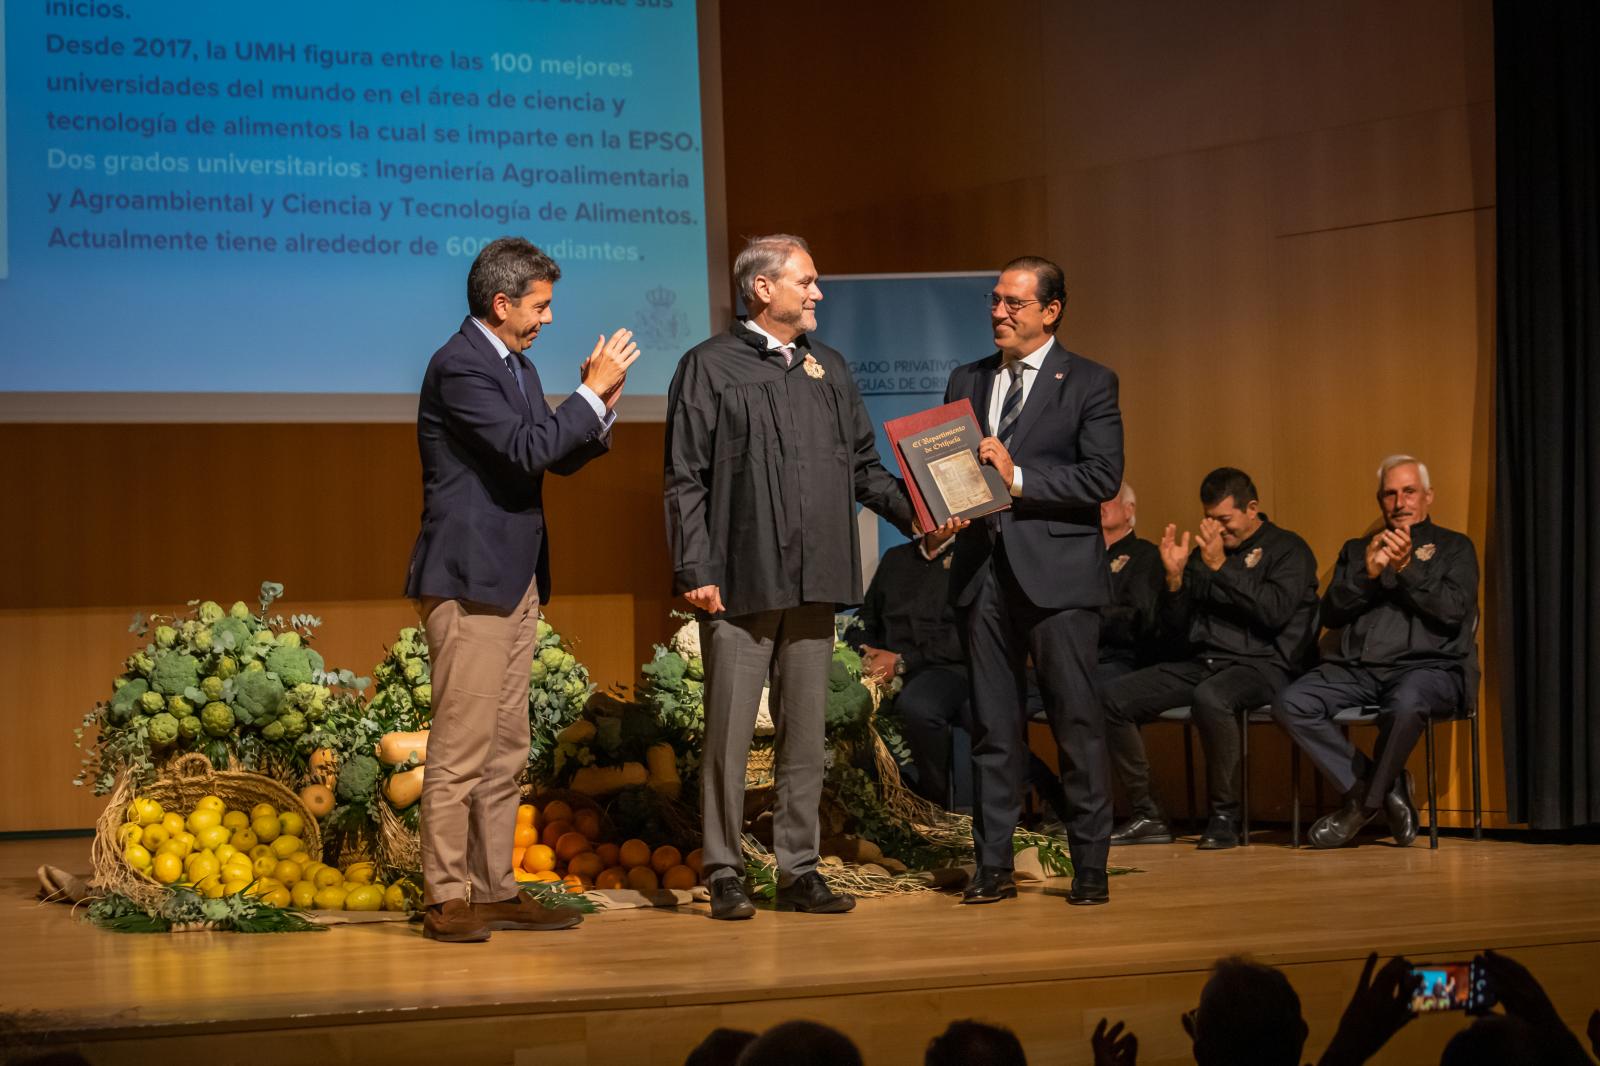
905	431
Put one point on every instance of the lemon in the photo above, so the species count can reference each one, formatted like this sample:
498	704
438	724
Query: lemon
145	811
359	873
211	803
308	869
394	898
329	899
213	838
302	857
210	887
167	868
238	868
155	835
172	823
130	833
172	847
262	851
364	898
278	897
263	810
185	838
283	847
203	818
303	894
224	851
265	828
137	856
235	885
291	823
236	820
203	864
243	839
328	877
264	866
288	871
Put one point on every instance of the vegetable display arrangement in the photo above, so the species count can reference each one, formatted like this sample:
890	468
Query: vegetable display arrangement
235	684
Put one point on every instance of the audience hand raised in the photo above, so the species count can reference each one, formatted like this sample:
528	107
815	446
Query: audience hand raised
1379	1008
1114	1047
1174	555
1211	546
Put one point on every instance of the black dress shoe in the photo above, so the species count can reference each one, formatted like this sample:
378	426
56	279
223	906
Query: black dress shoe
1221	834
990	885
1089	887
1402	810
1142	830
729	901
1340	828
810	893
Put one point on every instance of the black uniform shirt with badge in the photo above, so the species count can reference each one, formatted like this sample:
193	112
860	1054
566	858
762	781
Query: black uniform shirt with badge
1261	604
1128	622
765	463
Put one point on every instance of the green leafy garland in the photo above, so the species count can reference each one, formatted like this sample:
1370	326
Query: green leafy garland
238	913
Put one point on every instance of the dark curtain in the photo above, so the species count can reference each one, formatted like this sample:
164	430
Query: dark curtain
1547	405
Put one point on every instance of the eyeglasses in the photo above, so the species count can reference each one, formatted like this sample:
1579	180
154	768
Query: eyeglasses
1012	303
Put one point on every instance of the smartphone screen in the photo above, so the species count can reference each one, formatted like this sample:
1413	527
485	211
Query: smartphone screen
1445	986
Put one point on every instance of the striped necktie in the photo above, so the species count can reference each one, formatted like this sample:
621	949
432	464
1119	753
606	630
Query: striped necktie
1010	406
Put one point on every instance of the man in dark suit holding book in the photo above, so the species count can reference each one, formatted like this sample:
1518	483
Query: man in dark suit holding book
1029	581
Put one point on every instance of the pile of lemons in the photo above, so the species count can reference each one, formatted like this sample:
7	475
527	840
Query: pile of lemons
218	851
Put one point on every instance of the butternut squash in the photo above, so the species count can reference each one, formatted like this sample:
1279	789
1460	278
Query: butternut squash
604	780
324	766
395	748
663	764
404	788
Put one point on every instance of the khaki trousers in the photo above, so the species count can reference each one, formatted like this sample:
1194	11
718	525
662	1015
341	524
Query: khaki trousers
477	744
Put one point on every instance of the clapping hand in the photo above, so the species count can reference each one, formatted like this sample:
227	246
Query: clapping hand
607	366
1174	555
1379	1008
1378	555
1114	1047
1398	541
1211	546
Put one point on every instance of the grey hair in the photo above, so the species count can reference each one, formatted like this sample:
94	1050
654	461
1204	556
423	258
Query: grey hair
1401	460
1129	499
764	257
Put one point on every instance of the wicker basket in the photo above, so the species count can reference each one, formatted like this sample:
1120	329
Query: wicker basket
185	779
399	847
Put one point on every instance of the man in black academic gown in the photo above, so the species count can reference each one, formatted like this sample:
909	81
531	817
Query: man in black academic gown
769	449
1030	581
1404	600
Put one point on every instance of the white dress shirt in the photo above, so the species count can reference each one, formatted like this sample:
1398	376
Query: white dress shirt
595	402
997	395
774	344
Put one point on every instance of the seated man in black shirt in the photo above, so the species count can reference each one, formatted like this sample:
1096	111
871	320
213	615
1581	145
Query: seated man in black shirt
908	630
1246	598
1128	624
1405	600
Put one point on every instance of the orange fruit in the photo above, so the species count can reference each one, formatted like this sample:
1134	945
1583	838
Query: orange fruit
571	845
610	854
574	883
526	814
555	811
679	877
587	822
612	877
635	853
516	858
546	875
696	861
665	858
554	831
643	879
586	866
538	859
525	835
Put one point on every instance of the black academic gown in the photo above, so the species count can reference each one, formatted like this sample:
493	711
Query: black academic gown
764	466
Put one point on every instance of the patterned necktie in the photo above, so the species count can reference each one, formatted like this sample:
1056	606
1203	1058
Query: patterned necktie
516	375
1010	407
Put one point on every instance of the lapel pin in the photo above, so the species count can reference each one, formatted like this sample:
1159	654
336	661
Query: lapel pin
1060	376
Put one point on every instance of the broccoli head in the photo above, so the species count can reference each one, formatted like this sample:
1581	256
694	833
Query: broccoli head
272	730
696	670
849	658
358	779
537	672
174	673
288	639
128	695
849	707
230	634
543	630
163	729
415	669
189	727
422	695
256	697
217	719
667	670
141	663
294	666
293	724
551	657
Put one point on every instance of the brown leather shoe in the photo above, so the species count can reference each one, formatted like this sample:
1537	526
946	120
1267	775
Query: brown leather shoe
524	912
454	922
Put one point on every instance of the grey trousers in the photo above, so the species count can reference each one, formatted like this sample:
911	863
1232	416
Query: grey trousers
794	647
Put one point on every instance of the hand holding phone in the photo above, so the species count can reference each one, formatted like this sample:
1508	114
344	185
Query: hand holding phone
1442	986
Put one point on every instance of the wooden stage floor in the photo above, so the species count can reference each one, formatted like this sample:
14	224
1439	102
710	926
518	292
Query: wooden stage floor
644	987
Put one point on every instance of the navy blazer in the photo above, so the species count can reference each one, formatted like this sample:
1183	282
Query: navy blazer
485	448
1068	442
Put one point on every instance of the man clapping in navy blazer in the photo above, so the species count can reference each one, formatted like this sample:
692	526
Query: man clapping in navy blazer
1029	582
480	570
